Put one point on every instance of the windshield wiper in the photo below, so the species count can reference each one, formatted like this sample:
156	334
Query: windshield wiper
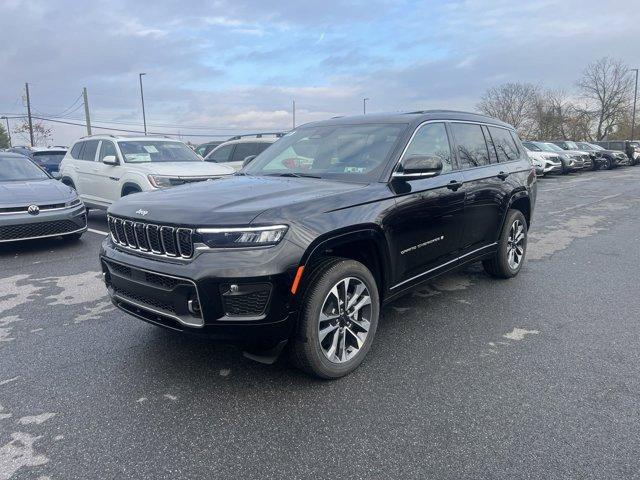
294	174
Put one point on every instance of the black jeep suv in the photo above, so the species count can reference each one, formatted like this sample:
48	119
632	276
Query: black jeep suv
332	221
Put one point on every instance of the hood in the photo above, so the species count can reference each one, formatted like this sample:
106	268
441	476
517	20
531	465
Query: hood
184	169
40	192
236	200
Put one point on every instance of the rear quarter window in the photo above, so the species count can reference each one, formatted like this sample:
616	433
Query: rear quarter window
75	151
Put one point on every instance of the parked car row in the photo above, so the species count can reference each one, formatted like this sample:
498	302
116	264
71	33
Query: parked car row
565	156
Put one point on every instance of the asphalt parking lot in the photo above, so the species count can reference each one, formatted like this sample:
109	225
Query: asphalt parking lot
469	377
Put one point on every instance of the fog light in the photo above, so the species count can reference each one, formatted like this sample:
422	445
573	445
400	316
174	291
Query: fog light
194	307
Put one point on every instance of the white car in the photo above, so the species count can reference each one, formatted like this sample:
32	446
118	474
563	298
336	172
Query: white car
545	162
236	150
103	168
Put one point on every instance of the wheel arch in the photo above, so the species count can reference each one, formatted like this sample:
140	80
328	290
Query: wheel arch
363	243
129	187
519	200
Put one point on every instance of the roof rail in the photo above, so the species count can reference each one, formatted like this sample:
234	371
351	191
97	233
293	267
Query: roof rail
100	135
257	135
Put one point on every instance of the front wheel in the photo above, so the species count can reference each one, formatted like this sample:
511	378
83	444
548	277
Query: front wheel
512	247
339	318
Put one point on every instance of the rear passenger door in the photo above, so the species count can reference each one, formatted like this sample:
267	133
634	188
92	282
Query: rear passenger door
486	180
86	170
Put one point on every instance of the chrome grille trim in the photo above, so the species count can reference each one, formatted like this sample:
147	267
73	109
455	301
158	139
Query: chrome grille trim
171	242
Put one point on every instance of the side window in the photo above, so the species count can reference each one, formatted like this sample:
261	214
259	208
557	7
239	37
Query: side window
89	150
107	148
471	144
242	151
222	154
493	156
75	151
260	147
617	146
506	147
431	139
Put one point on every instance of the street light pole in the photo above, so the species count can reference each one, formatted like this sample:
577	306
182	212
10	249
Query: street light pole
8	130
633	116
144	117
364	106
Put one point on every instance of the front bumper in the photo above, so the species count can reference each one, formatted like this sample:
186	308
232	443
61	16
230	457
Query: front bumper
552	168
240	297
48	223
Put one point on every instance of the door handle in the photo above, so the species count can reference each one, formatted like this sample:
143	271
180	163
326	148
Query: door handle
454	185
503	175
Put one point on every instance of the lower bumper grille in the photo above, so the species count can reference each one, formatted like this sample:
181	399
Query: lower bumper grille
245	300
41	229
154	293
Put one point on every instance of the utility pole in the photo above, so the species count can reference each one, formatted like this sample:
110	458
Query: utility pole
86	110
29	114
294	114
364	106
144	117
8	130
633	116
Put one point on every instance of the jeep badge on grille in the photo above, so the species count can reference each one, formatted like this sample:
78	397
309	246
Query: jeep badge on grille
142	212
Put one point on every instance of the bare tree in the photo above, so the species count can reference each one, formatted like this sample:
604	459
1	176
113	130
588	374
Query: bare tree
513	103
41	134
606	86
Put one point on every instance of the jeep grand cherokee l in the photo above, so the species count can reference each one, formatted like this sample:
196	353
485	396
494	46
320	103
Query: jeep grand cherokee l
310	239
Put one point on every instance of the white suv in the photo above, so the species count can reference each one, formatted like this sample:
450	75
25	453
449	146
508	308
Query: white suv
103	168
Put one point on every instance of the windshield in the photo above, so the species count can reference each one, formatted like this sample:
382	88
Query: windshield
347	152
532	146
19	169
549	147
145	151
48	158
572	145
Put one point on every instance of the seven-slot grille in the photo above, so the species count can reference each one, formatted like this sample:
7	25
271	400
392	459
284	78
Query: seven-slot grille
157	239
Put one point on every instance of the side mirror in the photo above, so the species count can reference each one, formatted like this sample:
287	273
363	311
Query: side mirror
248	160
419	166
110	160
56	175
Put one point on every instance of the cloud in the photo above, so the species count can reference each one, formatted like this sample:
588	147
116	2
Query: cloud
222	65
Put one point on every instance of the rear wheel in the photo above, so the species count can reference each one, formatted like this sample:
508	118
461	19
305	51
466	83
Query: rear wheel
512	247
339	318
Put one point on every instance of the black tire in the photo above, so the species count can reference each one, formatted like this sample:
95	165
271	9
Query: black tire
130	190
305	350
499	266
565	169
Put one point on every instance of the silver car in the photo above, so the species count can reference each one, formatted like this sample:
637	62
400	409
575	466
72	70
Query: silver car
34	205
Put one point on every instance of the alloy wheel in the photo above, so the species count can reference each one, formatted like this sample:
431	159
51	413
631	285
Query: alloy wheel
344	321
515	245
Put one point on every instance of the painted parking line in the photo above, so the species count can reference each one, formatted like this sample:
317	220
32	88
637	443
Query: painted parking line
92	230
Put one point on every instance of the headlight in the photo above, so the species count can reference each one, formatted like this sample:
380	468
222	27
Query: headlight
158	181
242	236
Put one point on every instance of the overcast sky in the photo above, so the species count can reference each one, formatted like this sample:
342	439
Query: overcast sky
228	66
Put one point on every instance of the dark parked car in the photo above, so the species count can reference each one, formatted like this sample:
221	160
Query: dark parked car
605	158
320	230
34	205
629	147
589	158
49	159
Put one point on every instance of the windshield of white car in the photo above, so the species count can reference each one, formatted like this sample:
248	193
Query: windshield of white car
146	151
20	170
343	152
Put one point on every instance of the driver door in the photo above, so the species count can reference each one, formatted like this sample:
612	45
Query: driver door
427	224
